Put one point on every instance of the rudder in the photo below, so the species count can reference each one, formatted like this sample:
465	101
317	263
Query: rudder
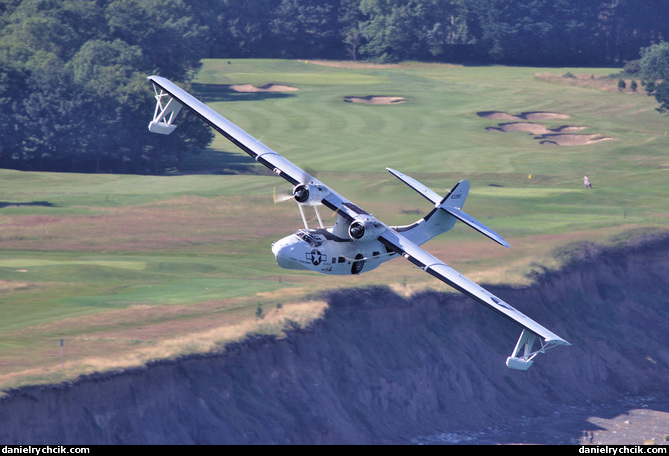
456	197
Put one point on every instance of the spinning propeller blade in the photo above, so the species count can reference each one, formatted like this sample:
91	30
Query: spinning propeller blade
282	196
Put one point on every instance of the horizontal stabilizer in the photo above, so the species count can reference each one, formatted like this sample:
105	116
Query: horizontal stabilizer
478	226
451	203
420	188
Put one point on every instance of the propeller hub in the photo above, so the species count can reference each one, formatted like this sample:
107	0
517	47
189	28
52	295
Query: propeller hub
310	194
301	193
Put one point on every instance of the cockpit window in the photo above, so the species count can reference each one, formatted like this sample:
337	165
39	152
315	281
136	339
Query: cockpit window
306	236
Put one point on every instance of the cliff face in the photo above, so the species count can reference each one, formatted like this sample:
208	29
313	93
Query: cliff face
379	368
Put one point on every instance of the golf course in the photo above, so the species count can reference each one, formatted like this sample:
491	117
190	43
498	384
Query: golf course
103	272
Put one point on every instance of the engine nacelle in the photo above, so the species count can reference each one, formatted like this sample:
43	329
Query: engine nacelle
309	194
365	229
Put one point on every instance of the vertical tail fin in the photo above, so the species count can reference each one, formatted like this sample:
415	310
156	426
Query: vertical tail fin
455	199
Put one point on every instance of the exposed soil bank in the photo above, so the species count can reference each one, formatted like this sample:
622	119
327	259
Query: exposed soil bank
379	368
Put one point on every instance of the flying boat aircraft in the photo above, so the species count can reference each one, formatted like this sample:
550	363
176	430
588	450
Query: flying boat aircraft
358	241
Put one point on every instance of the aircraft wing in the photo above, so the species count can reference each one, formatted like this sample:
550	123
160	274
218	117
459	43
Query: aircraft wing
433	266
167	93
252	146
236	135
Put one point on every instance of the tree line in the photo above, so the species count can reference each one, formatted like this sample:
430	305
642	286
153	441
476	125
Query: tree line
524	32
73	90
653	69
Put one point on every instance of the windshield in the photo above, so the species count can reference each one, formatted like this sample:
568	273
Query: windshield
311	239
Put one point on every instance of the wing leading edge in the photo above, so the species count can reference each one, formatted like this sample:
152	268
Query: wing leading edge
436	268
522	355
252	146
162	123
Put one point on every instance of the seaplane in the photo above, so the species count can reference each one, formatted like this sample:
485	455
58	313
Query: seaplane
358	241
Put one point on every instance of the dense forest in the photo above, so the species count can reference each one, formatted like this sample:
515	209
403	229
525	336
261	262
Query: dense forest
72	72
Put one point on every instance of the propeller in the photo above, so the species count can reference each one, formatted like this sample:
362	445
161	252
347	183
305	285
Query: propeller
296	195
282	196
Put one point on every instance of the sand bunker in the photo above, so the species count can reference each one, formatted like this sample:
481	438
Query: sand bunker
560	136
571	140
532	115
376	99
497	115
535	128
540	115
248	88
526	127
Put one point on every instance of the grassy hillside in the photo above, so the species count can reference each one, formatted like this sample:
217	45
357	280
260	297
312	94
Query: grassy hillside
128	268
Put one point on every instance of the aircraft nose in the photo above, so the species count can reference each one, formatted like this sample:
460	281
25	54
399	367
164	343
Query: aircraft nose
278	247
284	252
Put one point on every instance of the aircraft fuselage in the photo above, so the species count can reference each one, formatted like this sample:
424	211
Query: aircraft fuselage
321	251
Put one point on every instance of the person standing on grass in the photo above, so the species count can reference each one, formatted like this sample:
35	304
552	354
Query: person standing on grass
586	182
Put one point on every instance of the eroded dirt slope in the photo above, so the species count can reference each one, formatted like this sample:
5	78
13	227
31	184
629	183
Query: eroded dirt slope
379	368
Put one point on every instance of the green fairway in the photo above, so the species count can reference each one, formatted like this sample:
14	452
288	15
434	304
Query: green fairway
128	268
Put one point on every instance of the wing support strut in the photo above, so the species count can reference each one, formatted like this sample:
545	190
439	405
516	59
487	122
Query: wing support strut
304	218
166	111
524	345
